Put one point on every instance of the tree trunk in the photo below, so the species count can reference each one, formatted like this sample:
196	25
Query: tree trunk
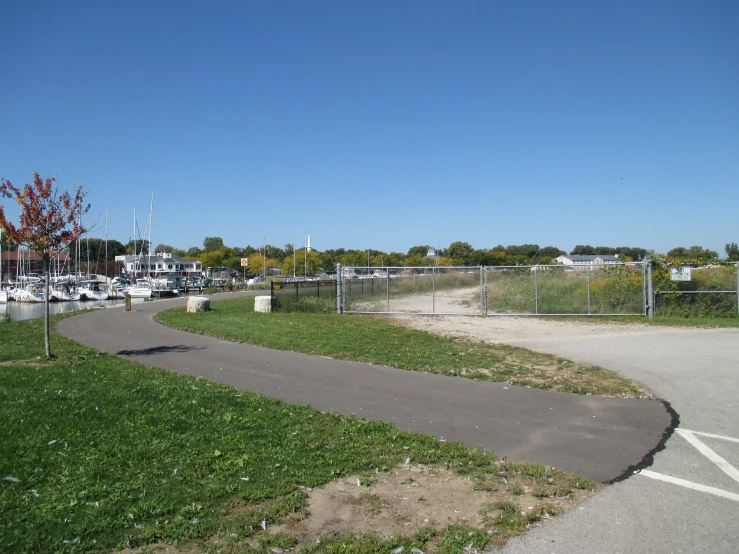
47	333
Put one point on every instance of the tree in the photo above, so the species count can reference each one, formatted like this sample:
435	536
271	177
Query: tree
695	253
420	251
97	253
582	250
296	265
530	251
137	247
551	252
162	248
212	243
49	222
6	245
732	251
194	252
459	252
632	254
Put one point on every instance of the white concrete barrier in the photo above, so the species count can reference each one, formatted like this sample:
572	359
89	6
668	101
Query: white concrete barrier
262	304
198	304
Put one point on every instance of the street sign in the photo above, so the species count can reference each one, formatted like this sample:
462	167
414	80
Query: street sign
244	261
680	274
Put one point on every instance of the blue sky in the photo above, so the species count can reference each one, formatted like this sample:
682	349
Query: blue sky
382	124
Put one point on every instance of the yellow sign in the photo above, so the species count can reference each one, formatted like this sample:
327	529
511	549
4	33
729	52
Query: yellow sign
244	261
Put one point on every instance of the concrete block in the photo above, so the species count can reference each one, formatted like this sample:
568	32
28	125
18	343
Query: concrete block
262	304
198	304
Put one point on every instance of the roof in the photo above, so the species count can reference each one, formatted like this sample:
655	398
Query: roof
591	257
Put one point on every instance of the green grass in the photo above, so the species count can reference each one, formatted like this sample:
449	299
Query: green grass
380	341
98	453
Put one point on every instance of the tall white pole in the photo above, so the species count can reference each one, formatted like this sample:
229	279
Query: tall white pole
134	244
106	246
151	224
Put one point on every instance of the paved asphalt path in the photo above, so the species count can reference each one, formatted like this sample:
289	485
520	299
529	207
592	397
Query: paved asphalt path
687	501
601	438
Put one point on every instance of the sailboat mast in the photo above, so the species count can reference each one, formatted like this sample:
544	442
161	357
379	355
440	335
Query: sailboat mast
106	245
151	224
134	243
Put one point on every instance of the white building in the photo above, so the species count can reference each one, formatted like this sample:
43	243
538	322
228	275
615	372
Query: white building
159	266
588	261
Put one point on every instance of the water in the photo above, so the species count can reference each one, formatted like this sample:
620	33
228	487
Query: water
28	310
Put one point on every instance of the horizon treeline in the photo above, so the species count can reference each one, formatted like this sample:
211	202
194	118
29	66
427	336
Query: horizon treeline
214	253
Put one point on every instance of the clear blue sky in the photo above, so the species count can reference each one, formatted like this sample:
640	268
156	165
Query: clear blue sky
382	124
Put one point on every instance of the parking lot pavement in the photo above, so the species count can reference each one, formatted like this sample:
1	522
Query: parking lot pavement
688	499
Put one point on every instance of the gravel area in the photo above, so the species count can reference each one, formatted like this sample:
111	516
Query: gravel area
510	329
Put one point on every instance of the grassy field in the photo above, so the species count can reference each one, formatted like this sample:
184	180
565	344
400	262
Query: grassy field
99	454
380	341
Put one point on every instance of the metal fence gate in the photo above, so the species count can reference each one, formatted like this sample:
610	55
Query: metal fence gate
711	291
613	289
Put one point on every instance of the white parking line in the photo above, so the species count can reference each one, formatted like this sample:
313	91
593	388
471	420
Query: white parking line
711	435
690	485
722	464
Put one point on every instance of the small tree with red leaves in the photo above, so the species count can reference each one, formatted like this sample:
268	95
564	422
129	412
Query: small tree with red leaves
49	222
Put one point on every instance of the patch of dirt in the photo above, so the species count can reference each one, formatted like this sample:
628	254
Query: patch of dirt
412	497
408	499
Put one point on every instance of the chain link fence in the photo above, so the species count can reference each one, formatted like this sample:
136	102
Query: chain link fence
696	292
303	295
616	289
421	290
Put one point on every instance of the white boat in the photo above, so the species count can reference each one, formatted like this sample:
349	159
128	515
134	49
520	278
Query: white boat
142	289
63	292
29	293
92	290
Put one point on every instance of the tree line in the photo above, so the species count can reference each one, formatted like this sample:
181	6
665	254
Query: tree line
287	260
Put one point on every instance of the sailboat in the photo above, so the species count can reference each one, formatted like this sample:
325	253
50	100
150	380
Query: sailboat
142	288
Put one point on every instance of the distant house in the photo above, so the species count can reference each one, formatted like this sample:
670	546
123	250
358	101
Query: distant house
588	261
159	265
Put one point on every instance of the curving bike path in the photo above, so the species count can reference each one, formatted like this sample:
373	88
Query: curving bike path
602	438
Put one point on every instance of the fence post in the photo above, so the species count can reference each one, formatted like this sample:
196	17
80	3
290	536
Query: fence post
650	291
737	287
483	291
536	292
339	291
433	290
590	268
387	288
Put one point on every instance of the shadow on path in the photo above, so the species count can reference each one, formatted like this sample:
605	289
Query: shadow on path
159	350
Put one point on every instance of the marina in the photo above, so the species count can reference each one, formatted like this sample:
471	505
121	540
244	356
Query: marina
17	311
